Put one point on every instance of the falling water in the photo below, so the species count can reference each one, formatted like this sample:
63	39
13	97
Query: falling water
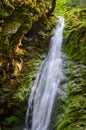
46	85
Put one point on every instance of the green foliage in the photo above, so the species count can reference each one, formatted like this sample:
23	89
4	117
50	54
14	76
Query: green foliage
24	90
60	7
74	115
75	34
13	120
76	4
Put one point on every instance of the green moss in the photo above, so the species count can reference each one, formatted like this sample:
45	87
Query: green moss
11	28
74	115
75	34
3	13
61	7
13	120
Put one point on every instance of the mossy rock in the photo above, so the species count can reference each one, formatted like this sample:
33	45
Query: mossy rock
11	28
75	34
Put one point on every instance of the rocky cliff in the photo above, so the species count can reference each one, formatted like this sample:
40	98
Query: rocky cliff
25	26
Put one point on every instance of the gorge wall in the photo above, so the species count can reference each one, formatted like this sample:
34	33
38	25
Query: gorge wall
25	26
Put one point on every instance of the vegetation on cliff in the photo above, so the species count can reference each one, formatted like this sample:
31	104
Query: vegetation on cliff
74	105
25	26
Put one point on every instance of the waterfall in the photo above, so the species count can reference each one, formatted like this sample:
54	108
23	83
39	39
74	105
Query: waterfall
46	84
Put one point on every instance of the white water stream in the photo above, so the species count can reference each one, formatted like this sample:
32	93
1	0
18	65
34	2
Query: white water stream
46	85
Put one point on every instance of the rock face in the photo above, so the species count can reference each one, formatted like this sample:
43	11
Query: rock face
25	25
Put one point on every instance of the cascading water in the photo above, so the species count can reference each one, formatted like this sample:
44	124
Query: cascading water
46	85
